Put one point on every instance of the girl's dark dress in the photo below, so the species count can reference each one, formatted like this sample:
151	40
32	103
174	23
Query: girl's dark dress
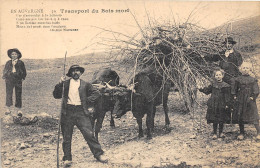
220	98
245	110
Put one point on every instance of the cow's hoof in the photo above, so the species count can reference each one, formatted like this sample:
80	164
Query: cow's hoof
167	128
214	136
240	137
149	137
140	135
221	135
112	126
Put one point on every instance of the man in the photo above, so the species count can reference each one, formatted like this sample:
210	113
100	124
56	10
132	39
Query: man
14	73
229	60
78	96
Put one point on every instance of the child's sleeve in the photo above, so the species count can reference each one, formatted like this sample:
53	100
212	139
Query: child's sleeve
234	86
227	95
6	72
239	60
206	90
255	89
23	71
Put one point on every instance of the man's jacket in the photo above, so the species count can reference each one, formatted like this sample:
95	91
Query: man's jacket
88	95
18	75
229	64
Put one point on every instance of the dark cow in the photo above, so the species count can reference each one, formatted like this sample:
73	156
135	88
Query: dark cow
106	75
149	91
105	103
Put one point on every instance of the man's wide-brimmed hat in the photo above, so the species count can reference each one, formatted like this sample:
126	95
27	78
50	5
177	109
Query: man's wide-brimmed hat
9	52
229	40
81	69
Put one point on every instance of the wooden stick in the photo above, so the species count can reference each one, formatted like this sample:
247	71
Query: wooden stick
58	142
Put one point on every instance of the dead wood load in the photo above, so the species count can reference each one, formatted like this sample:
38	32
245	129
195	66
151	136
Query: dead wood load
178	53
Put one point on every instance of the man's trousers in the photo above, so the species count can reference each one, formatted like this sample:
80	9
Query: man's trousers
75	116
10	86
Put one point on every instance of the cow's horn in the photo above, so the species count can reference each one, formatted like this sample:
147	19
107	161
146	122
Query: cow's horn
99	86
109	86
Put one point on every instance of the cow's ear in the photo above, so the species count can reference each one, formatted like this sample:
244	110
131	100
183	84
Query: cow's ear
126	92
106	94
119	93
137	94
116	93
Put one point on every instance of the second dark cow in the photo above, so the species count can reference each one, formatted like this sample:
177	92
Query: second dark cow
106	102
149	91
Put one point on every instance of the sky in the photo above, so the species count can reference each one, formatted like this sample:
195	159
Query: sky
42	43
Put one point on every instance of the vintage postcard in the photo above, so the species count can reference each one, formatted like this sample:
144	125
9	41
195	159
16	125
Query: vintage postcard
129	84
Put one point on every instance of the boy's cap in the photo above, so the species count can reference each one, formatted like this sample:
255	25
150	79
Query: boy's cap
9	52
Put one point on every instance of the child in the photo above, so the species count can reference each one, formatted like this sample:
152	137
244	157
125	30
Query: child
218	111
14	73
245	90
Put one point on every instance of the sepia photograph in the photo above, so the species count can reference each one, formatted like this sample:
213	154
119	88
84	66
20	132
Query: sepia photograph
129	84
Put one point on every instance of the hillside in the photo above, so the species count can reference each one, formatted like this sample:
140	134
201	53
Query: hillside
245	31
84	59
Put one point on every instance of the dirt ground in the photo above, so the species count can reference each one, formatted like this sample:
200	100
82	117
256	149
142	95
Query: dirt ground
188	144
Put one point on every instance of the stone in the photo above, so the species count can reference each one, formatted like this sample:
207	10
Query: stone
7	162
23	146
46	135
44	115
221	160
258	145
8	119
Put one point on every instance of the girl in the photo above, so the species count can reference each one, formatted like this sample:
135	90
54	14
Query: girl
218	111
245	90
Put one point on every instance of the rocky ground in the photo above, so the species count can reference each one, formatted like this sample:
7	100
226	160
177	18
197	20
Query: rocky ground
188	144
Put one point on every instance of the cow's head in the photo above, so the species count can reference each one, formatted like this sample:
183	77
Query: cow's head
123	103
106	90
123	96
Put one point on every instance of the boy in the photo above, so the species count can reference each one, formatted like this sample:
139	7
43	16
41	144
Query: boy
14	73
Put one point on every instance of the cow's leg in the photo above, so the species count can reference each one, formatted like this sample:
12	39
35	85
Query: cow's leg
148	125
93	121
194	97
112	122
94	125
153	116
166	110
139	122
99	115
99	123
149	120
96	135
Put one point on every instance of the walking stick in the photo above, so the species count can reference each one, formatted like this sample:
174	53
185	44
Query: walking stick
58	142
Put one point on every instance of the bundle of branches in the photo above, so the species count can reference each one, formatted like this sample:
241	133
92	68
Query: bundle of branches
179	53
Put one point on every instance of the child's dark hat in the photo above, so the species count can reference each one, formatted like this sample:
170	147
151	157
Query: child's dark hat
9	52
81	69
229	40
